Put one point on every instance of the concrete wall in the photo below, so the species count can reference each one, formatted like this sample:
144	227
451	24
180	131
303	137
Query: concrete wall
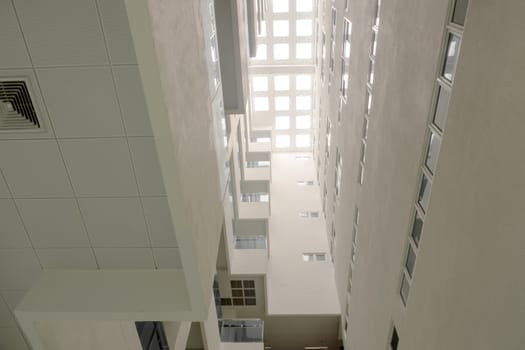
467	292
296	287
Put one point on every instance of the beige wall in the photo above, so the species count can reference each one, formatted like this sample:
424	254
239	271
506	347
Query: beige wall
467	292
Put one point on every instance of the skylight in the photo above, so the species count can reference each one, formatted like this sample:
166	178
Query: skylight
303	51
282	122
280	5
302	141
260	83
280	28
282	141
303	27
281	51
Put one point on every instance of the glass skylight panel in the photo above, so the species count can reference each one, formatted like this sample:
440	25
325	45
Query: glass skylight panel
261	104
282	141
281	51
282	83
261	52
262	29
303	103
282	122
303	82
282	103
280	28
280	5
303	5
260	83
302	122
302	141
303	27
303	50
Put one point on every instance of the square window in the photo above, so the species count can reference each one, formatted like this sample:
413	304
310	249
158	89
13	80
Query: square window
424	193
282	141
248	284
434	143
411	260
249	293
226	301
417	227
449	66
320	257
282	122
260	83
261	104
282	83
303	27
303	103
250	301
302	122
303	51
405	289
460	12
280	28
236	284
282	103
261	52
281	51
237	293
280	5
303	82
238	301
440	114
308	257
302	141
303	5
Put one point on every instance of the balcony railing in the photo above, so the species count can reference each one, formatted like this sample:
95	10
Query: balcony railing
258	164
255	197
250	241
241	331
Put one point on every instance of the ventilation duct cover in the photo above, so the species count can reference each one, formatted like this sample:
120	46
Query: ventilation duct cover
17	111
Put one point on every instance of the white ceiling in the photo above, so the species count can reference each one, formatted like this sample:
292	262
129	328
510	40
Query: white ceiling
86	193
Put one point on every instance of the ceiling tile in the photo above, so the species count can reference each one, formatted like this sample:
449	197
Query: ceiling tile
6	317
99	167
18	268
117	31
115	222
147	166
12	232
53	223
81	101
125	258
14	53
132	101
167	258
62	32
4	192
34	169
11	338
67	258
158	218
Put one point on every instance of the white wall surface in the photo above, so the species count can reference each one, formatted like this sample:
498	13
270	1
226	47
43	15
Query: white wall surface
296	287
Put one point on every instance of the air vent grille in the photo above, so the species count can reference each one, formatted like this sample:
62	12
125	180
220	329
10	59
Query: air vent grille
17	111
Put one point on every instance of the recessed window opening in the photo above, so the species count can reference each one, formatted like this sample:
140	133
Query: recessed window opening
314	257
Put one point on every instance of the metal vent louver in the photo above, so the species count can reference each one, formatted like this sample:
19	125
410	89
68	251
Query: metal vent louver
17	111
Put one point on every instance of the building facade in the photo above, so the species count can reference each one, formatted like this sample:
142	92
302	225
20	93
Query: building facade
281	174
